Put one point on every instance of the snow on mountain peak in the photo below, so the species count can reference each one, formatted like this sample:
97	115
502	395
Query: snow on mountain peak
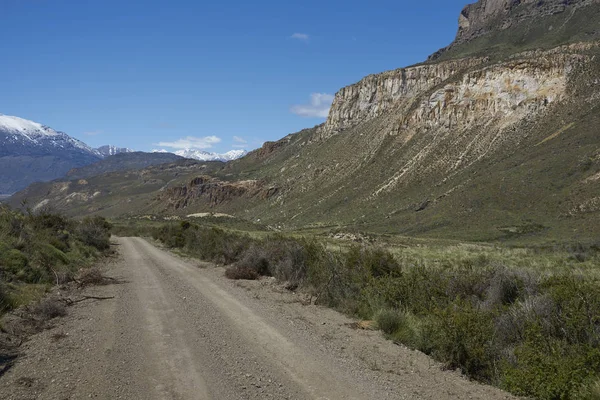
20	130
24	127
201	155
110	150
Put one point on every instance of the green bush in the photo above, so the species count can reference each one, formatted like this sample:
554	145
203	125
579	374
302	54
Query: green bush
94	232
548	368
13	261
373	261
389	321
461	336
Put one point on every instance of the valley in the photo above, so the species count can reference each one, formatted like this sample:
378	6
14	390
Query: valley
493	148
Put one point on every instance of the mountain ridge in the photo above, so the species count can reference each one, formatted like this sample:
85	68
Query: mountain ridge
201	155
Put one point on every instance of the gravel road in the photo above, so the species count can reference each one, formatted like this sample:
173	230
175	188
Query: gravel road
177	329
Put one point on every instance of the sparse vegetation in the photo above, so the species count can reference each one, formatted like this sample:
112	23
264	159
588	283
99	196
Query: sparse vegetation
526	320
39	249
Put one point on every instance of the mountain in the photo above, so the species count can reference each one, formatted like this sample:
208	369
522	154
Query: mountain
31	152
123	161
493	138
110	150
206	156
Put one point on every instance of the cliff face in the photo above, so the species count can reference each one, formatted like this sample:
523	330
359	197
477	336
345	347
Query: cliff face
506	91
379	93
214	192
455	92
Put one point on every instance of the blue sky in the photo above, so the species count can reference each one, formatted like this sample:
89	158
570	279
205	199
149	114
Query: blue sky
216	75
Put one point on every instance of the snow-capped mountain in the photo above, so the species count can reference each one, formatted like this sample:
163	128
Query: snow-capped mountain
205	155
32	152
18	136
110	150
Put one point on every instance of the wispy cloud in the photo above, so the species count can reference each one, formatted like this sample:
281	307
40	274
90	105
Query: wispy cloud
238	139
319	106
191	142
303	37
92	133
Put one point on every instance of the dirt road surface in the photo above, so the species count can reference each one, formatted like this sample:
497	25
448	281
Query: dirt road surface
177	329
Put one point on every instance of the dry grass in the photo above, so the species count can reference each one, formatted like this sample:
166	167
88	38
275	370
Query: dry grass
92	277
49	308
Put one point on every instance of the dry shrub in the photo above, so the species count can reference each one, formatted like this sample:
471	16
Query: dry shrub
241	272
48	309
256	258
91	277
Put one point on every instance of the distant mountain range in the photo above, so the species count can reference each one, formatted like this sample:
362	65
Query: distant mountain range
32	152
110	150
201	155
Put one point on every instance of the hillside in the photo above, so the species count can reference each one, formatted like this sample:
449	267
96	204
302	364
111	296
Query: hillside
124	161
111	193
475	144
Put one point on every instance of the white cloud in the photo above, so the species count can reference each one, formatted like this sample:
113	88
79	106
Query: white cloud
191	142
319	106
239	139
300	36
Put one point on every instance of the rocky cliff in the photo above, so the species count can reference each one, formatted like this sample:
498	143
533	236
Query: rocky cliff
456	92
379	93
488	15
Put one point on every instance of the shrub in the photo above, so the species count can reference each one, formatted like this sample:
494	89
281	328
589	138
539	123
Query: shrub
91	277
389	321
589	390
48	309
94	232
548	368
13	261
256	258
461	336
240	272
373	261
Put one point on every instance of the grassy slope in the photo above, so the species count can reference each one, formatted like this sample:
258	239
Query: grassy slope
41	249
544	33
529	189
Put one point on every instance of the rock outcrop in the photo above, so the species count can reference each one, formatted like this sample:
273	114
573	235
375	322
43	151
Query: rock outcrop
455	92
488	15
213	192
379	93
